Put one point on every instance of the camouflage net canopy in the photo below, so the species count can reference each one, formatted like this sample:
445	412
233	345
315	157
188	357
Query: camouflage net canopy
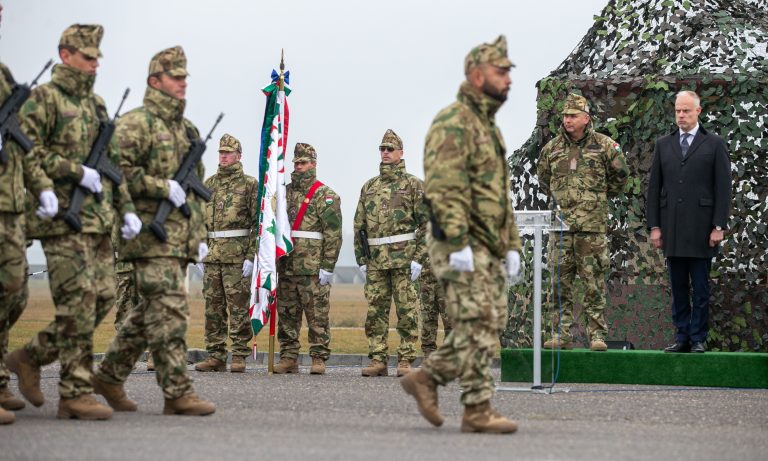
630	64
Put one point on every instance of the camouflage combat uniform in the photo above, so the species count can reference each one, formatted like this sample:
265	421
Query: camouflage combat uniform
391	205
153	140
125	292
232	208
316	246
467	185
432	297
62	119
581	175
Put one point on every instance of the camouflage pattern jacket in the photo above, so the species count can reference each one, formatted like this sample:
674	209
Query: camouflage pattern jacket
61	118
391	204
467	181
153	141
581	175
18	173
323	215
232	207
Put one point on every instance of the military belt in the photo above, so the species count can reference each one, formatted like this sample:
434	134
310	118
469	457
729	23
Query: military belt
391	239
307	235
229	234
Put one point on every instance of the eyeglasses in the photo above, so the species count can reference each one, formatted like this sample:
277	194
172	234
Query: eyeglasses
387	148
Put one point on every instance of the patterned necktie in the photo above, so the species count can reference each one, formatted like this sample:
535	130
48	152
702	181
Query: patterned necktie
684	144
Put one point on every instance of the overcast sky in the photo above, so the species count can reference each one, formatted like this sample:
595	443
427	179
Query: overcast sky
357	67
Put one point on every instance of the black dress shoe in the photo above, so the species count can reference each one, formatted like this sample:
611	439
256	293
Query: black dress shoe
698	347
678	347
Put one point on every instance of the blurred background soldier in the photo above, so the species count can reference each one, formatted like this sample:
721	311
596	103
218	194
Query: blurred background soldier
390	222
154	139
580	169
473	229
62	118
231	222
16	174
306	274
432	308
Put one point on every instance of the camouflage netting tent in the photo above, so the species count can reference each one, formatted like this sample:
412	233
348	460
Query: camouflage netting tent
630	64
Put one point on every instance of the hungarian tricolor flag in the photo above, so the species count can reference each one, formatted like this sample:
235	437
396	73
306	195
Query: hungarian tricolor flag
274	228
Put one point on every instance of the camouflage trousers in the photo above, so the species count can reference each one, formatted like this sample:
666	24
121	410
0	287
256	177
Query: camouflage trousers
584	254
297	294
226	290
477	305
82	280
125	296
432	296
13	281
158	321
381	287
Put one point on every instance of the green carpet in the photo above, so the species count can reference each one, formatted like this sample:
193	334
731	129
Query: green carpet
711	369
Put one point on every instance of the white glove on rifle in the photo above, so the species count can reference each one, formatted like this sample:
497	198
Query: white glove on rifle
91	180
364	269
514	267
415	270
247	268
462	260
326	278
202	251
176	193
131	226
49	204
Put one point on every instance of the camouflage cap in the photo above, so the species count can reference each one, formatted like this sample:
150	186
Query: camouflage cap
304	152
489	53
575	104
171	61
85	38
229	143
391	139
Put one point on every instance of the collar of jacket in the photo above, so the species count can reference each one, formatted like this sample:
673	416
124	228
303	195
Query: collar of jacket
304	180
73	81
392	171
589	133
481	103
164	106
232	170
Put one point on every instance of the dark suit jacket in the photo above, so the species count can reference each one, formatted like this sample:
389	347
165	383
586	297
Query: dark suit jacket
688	197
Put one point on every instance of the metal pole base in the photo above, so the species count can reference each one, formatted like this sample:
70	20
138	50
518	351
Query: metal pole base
534	389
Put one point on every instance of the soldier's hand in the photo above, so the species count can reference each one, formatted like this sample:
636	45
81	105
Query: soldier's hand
415	270
91	180
462	260
514	267
247	268
131	226
364	269
176	193
49	204
656	241
202	251
325	277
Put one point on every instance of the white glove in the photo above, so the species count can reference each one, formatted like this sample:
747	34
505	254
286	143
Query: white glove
514	267
91	179
49	204
202	251
131	226
176	194
462	260
364	269
247	268
415	270
325	277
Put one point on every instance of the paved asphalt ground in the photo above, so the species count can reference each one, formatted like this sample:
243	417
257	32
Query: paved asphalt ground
343	416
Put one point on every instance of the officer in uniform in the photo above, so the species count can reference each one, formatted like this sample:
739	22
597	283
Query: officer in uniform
473	230
231	221
153	140
62	118
306	273
390	222
432	297
580	169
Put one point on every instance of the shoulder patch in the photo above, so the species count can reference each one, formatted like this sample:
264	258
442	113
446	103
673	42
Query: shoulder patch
328	199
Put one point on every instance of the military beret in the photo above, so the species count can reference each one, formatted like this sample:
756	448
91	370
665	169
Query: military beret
304	152
489	53
171	61
391	139
85	38
229	143
575	104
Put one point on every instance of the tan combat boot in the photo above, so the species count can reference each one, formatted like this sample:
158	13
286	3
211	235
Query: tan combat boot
424	389
6	417
211	364
10	401
403	368
376	368
237	365
557	341
188	405
150	362
318	366
29	376
598	345
114	394
83	407
286	365
483	418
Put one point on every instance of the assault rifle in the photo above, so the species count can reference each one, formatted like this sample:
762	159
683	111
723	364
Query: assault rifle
98	160
187	179
9	124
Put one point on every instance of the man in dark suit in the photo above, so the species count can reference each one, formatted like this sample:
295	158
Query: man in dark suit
689	196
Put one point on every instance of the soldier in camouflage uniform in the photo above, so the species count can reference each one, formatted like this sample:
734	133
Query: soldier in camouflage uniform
580	169
391	212
231	221
306	273
432	307
153	140
473	230
16	173
62	118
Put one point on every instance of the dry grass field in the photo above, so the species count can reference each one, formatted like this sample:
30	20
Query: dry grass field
348	308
